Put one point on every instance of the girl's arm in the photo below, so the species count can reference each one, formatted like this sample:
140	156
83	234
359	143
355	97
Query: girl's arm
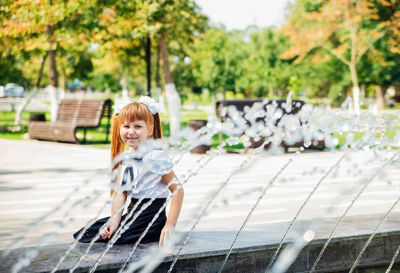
119	201
176	205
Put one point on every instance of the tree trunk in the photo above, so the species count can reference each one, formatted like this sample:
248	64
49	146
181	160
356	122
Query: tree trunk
158	78
53	74
353	70
173	99
18	115
158	96
356	89
164	57
148	65
63	78
380	100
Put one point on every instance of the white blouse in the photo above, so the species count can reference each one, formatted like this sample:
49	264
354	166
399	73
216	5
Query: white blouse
141	173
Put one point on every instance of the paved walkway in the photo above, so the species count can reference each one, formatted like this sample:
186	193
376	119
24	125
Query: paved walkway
62	186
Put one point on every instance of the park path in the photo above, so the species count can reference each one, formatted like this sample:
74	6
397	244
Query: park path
37	177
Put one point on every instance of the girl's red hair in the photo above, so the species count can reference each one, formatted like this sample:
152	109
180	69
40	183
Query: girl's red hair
130	113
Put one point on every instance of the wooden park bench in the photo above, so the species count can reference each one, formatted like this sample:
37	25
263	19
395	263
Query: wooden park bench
72	114
281	104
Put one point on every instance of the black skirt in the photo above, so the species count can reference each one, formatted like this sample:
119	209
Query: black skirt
135	230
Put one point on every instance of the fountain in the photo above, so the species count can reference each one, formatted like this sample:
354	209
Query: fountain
264	211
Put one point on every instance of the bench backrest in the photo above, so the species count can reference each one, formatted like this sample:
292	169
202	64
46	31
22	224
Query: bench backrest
81	112
241	104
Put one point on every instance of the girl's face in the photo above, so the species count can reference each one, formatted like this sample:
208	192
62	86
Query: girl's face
134	133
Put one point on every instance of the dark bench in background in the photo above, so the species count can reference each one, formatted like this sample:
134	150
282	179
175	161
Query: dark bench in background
73	114
240	105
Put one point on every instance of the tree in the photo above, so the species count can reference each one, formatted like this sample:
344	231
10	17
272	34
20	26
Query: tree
179	20
217	59
343	28
379	70
210	59
125	27
383	70
389	16
45	27
264	73
10	71
121	31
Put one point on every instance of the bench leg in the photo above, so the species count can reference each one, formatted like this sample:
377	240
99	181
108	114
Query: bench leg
84	135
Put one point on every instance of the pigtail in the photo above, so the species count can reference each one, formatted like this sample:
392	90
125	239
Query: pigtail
117	145
157	129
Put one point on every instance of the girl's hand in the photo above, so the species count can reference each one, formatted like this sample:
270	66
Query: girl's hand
111	228
167	230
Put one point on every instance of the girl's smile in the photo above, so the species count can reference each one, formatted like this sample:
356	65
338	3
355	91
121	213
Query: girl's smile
134	133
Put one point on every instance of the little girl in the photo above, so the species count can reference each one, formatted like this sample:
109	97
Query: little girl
148	174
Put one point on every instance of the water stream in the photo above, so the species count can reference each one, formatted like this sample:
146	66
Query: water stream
363	132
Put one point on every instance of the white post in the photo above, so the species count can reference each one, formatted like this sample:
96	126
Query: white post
125	94
21	107
174	106
124	84
289	101
356	99
159	97
54	99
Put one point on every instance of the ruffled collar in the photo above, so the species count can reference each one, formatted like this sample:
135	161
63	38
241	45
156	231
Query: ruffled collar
143	150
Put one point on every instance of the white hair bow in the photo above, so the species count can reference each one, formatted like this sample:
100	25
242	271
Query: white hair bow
120	103
153	106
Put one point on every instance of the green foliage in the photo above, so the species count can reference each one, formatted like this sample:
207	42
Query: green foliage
323	80
381	69
9	71
212	60
264	73
204	98
103	81
81	65
187	115
101	42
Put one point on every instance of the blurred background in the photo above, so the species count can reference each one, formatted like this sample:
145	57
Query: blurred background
321	51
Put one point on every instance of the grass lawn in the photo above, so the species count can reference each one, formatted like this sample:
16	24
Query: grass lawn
10	131
96	137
